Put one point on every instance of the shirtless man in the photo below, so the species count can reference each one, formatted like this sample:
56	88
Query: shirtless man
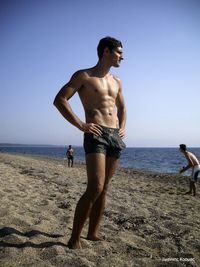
101	95
70	156
192	163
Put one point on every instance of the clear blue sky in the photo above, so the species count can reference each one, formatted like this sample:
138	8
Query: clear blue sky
44	42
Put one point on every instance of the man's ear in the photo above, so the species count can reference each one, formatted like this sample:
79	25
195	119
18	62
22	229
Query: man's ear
106	51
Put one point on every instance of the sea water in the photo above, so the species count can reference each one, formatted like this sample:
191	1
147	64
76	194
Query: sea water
167	160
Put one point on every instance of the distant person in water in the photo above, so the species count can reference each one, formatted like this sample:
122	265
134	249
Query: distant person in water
192	163
70	156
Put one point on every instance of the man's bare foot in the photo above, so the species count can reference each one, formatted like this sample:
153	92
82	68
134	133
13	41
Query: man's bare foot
74	244
188	193
95	238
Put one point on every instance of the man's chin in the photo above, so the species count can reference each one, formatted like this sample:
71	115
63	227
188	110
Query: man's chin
116	65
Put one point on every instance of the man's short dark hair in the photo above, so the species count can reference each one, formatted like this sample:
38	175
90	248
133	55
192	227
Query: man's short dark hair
107	42
183	147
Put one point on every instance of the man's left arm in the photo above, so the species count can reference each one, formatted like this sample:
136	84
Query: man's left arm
121	111
185	168
190	164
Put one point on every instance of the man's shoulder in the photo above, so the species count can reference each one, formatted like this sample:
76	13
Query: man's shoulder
116	78
80	75
82	72
190	153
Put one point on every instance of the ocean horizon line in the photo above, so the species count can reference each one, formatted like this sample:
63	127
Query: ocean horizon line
60	145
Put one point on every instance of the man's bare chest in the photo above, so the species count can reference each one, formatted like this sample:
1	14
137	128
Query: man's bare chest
100	86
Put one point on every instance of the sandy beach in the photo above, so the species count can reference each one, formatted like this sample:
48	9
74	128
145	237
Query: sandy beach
148	221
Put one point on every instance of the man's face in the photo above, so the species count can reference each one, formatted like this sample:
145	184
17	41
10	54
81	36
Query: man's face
116	56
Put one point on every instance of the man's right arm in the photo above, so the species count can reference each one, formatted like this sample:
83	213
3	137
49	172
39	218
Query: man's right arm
190	164
62	104
66	92
185	168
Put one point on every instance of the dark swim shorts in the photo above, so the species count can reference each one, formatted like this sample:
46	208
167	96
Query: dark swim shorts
109	143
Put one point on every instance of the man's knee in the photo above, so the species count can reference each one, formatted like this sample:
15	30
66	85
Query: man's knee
94	191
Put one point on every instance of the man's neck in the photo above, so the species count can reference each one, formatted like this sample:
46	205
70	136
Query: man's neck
101	69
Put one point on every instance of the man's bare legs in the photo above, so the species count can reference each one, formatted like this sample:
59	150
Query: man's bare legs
96	179
99	205
192	188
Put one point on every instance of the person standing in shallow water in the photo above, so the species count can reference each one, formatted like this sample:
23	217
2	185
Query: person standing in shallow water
101	95
192	163
70	156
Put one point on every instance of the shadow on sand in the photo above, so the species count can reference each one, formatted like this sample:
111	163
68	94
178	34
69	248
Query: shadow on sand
6	231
